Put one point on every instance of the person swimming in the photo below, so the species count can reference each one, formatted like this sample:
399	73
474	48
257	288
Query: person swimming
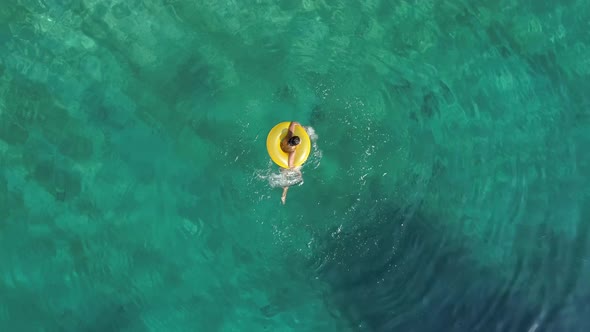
289	145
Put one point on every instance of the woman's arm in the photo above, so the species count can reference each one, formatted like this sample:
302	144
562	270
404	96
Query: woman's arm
291	133
292	127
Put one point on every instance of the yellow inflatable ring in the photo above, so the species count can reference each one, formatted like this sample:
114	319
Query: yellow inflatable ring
273	145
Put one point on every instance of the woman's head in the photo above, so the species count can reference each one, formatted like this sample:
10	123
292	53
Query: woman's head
294	141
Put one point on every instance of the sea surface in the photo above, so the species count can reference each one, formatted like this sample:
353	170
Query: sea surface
448	188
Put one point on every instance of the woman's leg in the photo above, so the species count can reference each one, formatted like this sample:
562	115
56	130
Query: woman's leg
284	197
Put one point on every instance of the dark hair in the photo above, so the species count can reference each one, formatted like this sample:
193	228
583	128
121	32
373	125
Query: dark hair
293	141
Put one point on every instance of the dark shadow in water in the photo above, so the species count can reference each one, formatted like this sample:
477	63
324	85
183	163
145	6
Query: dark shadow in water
389	277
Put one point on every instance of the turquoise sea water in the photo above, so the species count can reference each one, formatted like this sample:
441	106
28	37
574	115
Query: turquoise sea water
447	189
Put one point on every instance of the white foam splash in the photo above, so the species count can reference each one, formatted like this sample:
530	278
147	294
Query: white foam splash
316	155
280	179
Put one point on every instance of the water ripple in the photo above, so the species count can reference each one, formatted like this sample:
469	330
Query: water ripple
475	243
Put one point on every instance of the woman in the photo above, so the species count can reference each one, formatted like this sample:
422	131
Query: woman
289	145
